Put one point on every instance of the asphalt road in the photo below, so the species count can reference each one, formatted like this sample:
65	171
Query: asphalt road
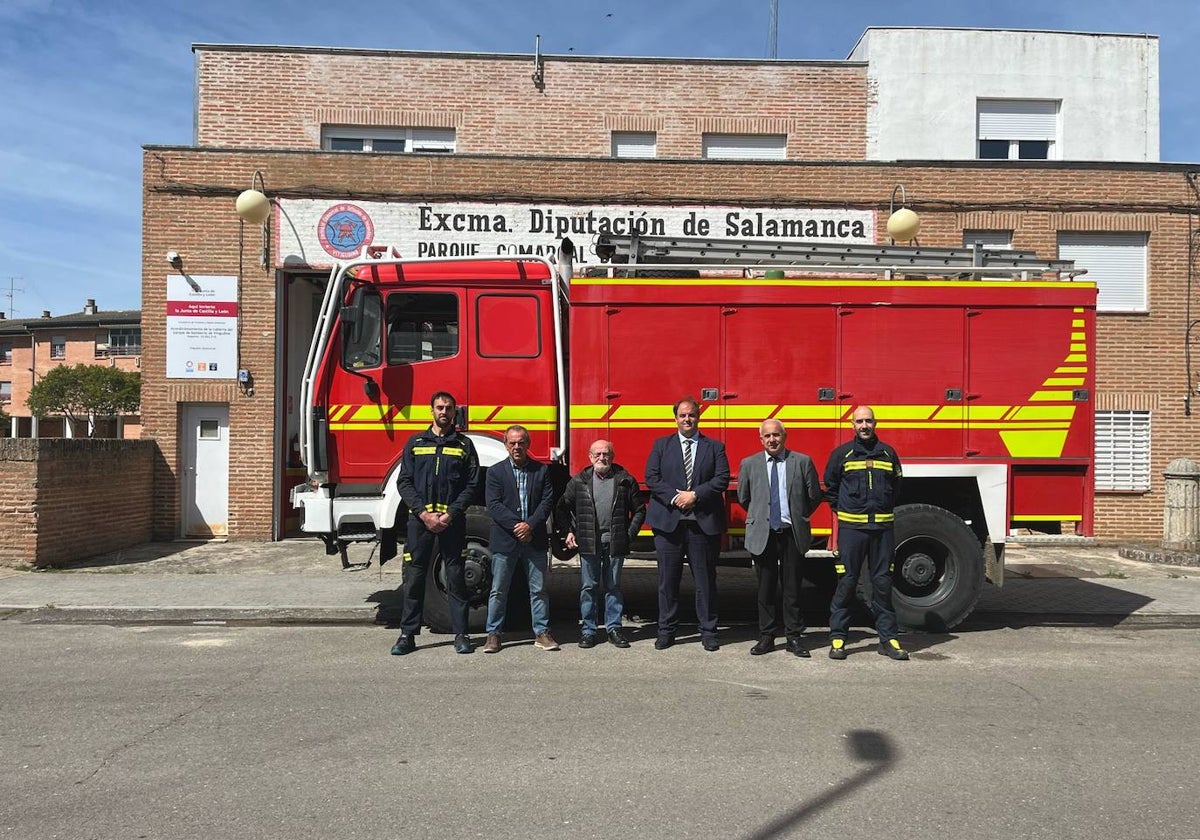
274	732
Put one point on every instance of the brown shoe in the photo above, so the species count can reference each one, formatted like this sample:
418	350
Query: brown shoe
545	641
492	645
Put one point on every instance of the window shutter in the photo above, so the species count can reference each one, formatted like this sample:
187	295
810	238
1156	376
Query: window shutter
1115	262
1018	119
1122	450
433	140
745	146
634	144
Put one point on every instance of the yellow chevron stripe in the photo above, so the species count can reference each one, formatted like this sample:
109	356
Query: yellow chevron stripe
1050	396
1060	381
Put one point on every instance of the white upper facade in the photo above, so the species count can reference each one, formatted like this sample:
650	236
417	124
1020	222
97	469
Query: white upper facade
963	94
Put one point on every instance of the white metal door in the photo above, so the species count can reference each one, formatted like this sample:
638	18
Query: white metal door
204	438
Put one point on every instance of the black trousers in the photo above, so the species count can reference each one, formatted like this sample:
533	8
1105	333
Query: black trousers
779	570
701	551
419	551
876	548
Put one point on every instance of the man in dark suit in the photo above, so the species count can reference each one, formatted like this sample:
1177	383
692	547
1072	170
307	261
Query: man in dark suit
687	474
519	499
779	490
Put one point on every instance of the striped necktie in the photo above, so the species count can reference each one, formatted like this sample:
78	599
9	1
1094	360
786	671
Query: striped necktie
687	462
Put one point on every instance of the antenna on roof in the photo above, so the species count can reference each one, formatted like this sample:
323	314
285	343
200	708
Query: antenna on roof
773	31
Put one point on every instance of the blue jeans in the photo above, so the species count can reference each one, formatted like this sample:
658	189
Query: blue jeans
534	562
594	568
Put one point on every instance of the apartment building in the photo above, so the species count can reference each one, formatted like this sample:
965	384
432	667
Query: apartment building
31	347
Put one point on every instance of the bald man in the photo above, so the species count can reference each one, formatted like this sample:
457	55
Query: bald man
862	482
779	490
601	510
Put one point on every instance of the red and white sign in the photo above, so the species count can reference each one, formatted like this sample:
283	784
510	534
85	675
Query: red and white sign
202	313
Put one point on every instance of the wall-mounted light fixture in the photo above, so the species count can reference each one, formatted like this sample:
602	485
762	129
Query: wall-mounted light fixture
903	224
253	207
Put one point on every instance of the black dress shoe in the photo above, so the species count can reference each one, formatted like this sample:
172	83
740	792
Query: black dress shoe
587	640
795	646
405	644
711	644
664	642
462	643
617	638
765	645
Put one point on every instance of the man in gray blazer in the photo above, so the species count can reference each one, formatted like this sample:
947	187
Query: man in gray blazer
779	490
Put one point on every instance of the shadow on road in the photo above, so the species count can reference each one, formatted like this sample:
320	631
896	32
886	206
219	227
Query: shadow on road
864	745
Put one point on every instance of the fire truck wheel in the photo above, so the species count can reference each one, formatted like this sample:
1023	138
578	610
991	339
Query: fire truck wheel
939	570
479	579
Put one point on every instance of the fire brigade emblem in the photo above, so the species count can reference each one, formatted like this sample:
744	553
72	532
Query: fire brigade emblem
344	230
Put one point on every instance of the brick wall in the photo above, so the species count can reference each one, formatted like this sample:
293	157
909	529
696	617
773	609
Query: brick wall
280	98
63	500
188	204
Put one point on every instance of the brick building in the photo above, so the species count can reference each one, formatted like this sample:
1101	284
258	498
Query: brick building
1010	159
30	347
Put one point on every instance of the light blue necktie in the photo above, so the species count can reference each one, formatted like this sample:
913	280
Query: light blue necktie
776	508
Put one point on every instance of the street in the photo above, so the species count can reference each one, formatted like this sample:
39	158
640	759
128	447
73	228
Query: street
245	732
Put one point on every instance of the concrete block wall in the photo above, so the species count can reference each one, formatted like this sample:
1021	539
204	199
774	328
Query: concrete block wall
66	500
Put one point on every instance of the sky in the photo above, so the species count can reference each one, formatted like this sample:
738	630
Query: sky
85	84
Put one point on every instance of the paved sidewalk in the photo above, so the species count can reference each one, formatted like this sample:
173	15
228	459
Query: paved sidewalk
295	582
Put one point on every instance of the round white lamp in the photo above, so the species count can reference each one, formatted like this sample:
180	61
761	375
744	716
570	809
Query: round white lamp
254	207
903	225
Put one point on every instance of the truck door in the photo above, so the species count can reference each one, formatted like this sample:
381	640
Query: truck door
657	355
512	365
907	363
406	348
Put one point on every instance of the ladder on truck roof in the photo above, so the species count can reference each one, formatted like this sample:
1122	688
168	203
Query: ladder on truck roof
683	252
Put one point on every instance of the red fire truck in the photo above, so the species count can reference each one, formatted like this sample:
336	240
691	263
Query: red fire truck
979	365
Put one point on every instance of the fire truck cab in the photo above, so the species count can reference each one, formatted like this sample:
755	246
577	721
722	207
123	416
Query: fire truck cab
979	366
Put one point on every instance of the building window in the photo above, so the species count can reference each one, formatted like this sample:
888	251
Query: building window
1115	262
5	352
121	342
342	138
992	240
634	144
1018	129
5	392
58	347
1123	450
745	146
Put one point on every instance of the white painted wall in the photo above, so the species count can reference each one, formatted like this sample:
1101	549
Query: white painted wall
923	85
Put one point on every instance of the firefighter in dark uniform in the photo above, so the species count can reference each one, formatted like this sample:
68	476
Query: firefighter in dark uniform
862	481
439	476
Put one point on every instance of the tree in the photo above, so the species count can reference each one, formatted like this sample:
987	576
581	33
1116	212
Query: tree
85	390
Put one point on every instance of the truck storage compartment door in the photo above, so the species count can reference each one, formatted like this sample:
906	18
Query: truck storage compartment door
907	363
658	354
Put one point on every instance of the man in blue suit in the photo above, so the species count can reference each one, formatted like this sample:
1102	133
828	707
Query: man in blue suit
687	474
519	499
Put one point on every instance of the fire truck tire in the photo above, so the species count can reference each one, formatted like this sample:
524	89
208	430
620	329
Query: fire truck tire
938	573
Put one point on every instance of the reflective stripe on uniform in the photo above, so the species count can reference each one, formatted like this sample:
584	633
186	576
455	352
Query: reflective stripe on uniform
424	450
